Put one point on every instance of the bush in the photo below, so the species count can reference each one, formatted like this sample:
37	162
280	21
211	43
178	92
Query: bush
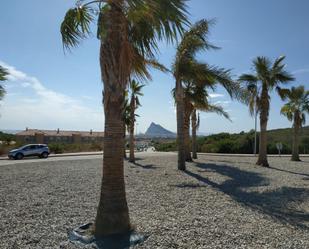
56	148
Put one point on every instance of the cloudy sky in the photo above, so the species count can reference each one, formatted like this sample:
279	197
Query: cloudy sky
50	89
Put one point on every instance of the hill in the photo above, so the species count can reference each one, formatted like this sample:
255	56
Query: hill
157	131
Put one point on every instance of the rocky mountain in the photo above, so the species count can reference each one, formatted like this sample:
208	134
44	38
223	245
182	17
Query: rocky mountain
156	130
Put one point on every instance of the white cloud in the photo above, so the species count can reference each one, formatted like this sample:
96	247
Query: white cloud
223	103
40	107
301	71
216	95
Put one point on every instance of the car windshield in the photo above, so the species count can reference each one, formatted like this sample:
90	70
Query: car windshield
23	147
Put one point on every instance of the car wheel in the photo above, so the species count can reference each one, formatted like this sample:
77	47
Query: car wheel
19	156
44	155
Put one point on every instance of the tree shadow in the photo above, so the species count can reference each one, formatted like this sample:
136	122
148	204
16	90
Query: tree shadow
147	166
280	204
226	161
291	172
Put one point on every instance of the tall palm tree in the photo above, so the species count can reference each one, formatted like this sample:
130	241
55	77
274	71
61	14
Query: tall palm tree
295	111
129	31
193	41
3	77
266	77
136	91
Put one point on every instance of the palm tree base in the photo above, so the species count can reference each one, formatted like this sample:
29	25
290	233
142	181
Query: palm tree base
263	164
295	159
85	235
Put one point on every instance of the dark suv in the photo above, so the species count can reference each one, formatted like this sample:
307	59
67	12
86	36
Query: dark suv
40	150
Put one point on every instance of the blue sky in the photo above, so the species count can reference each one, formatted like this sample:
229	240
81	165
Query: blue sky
50	89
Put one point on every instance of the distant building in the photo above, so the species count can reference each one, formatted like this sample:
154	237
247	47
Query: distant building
58	136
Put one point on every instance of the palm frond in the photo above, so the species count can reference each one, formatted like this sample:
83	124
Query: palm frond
152	20
216	109
3	73
3	77
298	104
76	26
283	92
248	79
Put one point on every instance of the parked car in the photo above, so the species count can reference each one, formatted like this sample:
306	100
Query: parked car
40	150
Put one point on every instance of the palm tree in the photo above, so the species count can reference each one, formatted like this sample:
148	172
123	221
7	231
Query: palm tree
195	123
193	41
129	31
205	107
136	90
196	98
126	123
266	77
3	77
295	111
252	101
188	70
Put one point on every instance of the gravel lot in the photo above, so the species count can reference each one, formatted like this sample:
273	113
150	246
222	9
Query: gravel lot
220	202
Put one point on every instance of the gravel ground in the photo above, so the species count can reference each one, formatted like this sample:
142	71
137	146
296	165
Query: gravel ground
220	202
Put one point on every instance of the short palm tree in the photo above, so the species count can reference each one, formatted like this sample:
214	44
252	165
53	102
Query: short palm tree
3	77
204	107
136	91
128	31
197	99
295	111
266	77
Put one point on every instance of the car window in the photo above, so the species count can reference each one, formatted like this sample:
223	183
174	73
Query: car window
32	147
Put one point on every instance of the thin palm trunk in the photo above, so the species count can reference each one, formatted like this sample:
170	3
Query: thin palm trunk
262	159
132	123
187	114
112	213
180	126
295	147
194	127
124	141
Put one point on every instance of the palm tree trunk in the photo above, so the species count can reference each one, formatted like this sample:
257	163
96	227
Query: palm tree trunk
262	159
194	126
112	213
295	147
186	127
132	123
180	126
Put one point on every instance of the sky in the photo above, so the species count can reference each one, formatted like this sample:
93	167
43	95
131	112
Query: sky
49	88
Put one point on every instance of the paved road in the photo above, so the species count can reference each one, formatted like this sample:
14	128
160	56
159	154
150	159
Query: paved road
73	156
98	155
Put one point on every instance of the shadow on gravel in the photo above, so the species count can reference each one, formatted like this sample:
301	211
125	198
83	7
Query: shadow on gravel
148	166
290	172
280	204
